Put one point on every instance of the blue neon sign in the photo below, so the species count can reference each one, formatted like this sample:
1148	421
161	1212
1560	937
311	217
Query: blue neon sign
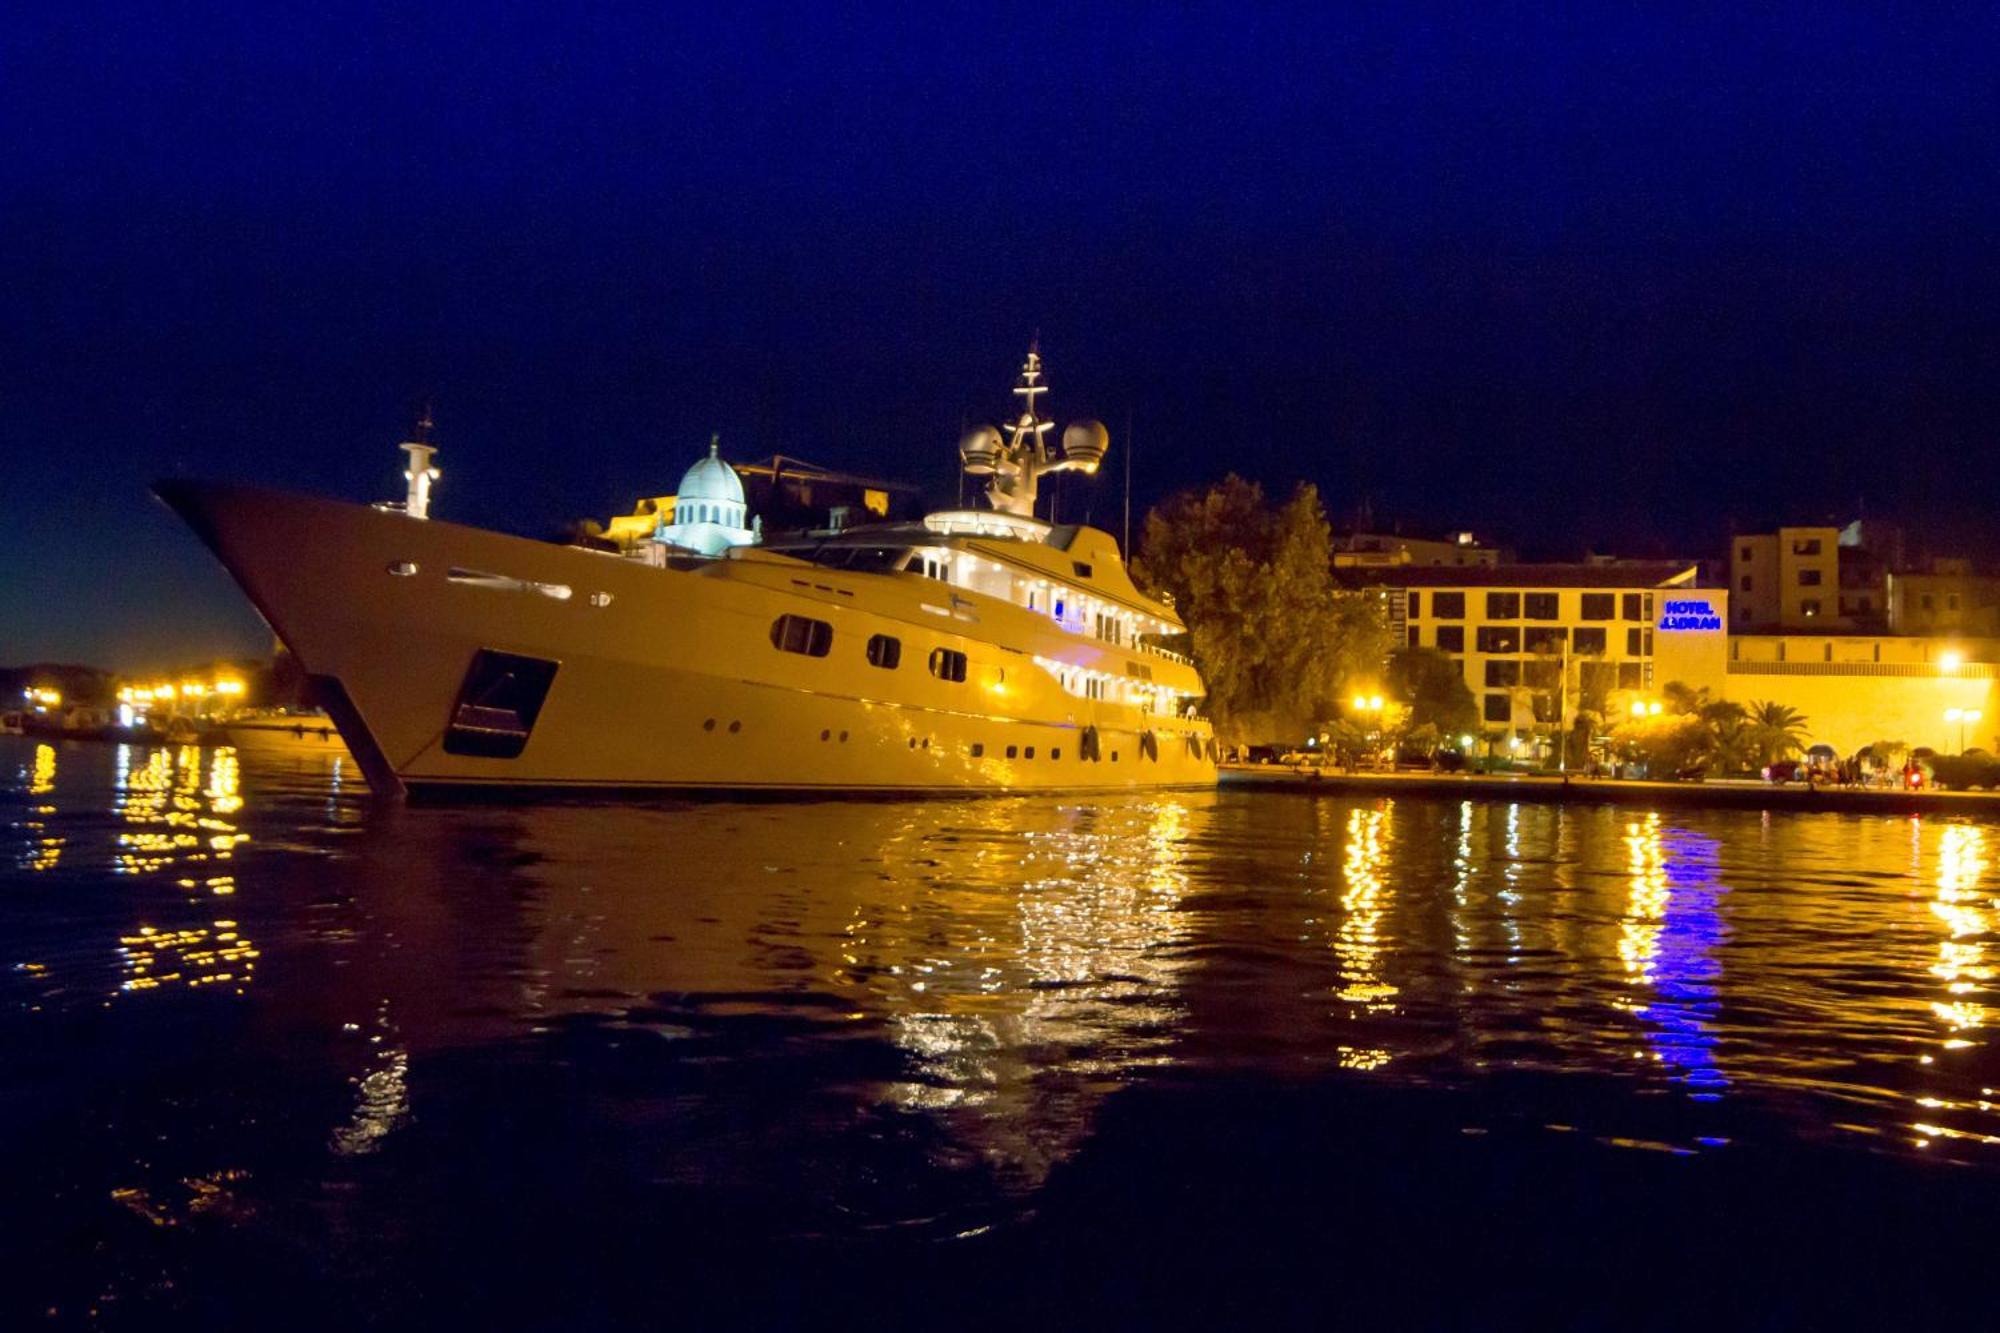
1689	613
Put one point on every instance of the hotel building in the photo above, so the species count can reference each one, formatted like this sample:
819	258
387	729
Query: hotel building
1537	643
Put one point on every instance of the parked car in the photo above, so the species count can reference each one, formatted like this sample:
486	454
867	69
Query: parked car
1785	770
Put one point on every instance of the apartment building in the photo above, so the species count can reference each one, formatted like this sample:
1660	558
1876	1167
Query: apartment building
1790	578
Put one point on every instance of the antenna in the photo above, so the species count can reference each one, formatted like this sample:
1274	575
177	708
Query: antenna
1127	545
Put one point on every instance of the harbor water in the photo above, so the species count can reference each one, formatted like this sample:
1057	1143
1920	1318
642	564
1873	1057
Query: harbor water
280	1056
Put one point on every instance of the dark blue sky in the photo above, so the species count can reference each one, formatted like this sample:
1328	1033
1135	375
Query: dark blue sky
1619	280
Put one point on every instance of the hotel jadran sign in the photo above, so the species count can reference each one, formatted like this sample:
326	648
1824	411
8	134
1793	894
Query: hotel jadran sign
1689	613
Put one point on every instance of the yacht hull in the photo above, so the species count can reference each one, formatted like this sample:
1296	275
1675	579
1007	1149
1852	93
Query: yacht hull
630	677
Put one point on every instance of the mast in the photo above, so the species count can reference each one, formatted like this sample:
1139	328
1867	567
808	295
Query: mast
1017	463
420	474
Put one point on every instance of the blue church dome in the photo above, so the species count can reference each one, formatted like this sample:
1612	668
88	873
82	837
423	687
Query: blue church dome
712	479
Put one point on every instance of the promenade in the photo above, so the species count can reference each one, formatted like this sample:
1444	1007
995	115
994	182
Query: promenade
1549	788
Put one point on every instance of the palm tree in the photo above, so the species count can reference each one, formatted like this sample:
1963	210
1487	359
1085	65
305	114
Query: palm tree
1778	730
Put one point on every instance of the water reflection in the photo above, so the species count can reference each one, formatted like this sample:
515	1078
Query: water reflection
44	849
1358	941
725	993
1668	942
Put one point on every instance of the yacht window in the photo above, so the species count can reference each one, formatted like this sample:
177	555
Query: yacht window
885	651
947	664
801	634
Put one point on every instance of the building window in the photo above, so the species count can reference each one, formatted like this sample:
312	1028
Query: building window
1745	585
1541	675
947	664
1499	708
1809	578
1539	606
1503	606
1629	606
1545	707
1927	601
1498	639
1416	605
1415	637
1631	675
801	634
1635	642
1599	605
1867	605
1451	638
1589	641
1545	638
1447	606
1809	546
1951	601
1503	672
1809	607
884	651
1745	554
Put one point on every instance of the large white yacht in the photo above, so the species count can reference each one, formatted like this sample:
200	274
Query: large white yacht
972	651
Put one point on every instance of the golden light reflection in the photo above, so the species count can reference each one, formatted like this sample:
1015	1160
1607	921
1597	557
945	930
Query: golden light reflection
1961	963
194	956
171	814
44	848
1358	942
1646	898
1027	929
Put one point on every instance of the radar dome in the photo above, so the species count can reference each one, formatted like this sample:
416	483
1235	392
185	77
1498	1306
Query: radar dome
980	449
1086	442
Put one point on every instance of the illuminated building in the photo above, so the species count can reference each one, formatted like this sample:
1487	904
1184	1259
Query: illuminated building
709	515
1947	597
1537	643
1791	578
1367	550
785	494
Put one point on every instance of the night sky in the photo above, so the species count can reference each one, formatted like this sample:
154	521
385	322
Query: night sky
1618	282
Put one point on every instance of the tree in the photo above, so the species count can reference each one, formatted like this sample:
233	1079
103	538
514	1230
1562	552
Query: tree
1777	731
1432	685
1275	640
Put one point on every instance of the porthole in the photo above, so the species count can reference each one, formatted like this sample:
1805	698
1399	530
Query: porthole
1114	756
825	734
927	742
1013	750
913	742
1028	753
843	738
708	724
1056	753
978	750
737	726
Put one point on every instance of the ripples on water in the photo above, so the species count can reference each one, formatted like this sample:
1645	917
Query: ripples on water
274	1048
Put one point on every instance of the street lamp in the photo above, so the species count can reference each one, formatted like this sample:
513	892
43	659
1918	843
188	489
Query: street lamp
1962	716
